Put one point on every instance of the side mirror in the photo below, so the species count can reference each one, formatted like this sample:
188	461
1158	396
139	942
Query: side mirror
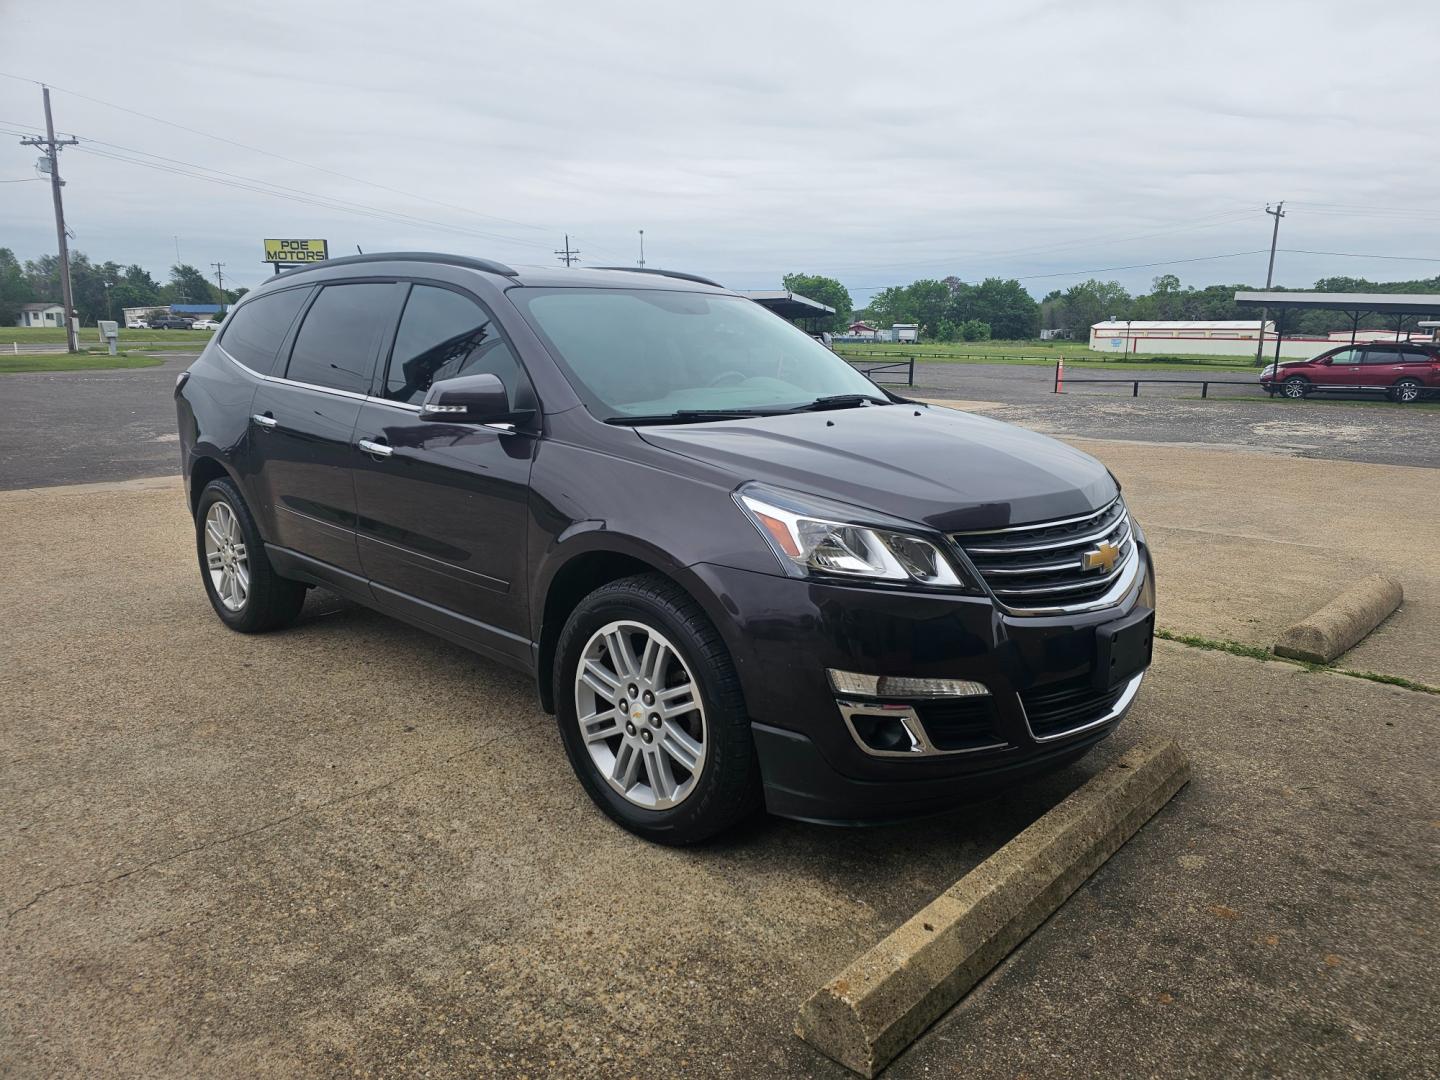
472	399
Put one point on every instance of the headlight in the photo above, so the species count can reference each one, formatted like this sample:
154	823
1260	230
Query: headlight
813	536
1269	370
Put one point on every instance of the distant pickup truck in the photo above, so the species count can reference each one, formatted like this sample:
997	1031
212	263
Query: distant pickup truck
169	322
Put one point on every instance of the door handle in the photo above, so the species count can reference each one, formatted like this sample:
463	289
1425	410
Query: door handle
265	422
375	449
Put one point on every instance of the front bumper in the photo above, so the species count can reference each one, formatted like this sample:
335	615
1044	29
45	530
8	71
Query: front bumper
784	634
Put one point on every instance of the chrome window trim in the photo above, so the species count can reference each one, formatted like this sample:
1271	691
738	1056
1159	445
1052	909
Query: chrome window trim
335	390
1042	524
920	745
1121	706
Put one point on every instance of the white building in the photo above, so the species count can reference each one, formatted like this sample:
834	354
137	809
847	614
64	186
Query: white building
40	315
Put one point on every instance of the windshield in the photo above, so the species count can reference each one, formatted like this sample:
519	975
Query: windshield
647	352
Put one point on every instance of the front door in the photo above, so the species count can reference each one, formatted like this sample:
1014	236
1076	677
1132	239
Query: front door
1346	368
442	506
303	421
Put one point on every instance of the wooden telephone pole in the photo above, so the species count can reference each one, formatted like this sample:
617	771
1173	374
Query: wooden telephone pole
52	145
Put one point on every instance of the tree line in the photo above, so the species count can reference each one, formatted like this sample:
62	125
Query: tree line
950	309
38	281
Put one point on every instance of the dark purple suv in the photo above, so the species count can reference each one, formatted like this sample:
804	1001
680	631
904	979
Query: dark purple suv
740	573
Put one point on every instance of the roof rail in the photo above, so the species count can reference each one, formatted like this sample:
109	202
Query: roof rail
662	273
490	266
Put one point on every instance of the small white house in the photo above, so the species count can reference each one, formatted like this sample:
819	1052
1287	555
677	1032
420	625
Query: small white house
906	331
40	315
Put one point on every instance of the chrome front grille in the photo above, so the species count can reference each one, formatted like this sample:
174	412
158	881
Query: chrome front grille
1055	564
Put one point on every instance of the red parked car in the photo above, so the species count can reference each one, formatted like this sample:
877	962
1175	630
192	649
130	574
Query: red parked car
1404	370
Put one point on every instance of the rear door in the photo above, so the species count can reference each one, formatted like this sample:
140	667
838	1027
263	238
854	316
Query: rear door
303	419
1420	364
1382	365
443	507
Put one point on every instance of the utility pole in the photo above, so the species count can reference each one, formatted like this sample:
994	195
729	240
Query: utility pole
1277	214
567	256
220	279
52	150
642	249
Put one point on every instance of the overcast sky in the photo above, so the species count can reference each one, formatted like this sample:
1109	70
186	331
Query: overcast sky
875	142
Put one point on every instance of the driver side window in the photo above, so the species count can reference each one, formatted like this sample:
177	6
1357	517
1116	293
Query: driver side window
444	334
1349	356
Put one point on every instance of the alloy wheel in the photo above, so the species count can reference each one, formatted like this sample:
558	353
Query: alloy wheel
1407	391
225	556
1295	388
640	715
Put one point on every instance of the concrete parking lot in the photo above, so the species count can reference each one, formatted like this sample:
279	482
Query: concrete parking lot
353	849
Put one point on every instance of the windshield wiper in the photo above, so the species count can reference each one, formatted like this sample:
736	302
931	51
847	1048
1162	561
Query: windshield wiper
688	416
839	401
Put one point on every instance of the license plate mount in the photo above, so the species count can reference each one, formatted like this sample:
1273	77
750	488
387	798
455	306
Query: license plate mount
1123	648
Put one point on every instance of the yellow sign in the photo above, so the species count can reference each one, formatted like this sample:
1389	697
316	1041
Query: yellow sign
296	251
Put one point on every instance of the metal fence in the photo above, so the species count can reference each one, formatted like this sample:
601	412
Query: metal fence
872	370
1204	384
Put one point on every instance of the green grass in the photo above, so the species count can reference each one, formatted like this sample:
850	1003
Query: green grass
1044	354
51	335
1256	652
13	365
1040	351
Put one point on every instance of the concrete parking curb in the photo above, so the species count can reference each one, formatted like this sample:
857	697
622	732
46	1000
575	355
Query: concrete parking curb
882	1001
1341	624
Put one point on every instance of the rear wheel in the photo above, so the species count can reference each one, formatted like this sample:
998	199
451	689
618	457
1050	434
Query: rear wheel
243	587
651	714
1405	391
1296	386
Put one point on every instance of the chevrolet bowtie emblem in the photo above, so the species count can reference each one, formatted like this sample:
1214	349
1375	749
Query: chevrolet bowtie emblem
1100	558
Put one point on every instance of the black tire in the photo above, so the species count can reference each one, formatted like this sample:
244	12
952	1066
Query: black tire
1296	387
727	788
1406	391
271	601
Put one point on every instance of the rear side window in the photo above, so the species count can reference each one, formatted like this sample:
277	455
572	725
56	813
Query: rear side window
254	333
443	335
1382	356
339	339
1416	356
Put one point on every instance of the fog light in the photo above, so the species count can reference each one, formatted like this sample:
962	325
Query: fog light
897	686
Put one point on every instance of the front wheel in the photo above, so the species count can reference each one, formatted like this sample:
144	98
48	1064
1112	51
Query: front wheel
1405	391
1297	386
651	713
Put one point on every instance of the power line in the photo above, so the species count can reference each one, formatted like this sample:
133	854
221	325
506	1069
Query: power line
1356	255
199	172
290	160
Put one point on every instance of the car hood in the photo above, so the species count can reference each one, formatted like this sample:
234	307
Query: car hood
946	469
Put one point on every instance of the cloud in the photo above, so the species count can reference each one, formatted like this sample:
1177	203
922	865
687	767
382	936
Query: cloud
876	142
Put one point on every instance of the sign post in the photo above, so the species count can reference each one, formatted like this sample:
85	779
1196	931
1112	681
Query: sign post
284	254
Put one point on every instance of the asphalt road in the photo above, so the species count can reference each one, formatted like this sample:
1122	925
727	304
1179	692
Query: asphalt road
85	426
1359	429
80	427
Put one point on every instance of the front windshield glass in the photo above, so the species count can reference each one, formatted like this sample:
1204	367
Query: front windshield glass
647	352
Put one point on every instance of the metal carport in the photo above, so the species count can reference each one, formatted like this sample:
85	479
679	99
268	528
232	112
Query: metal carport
1356	305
